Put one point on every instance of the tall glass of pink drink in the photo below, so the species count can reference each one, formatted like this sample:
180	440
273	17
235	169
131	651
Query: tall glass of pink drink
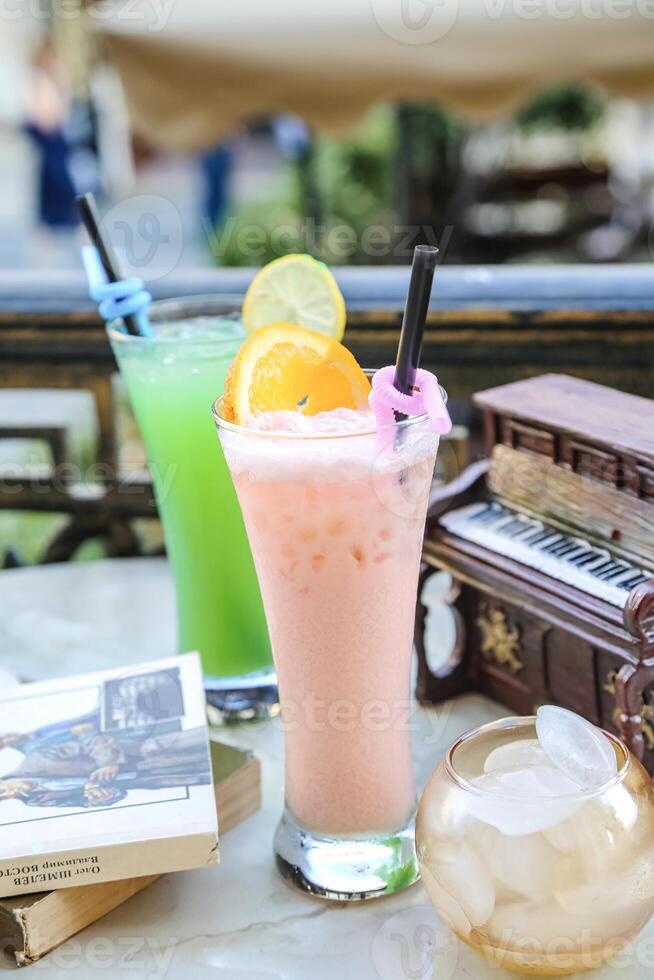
335	516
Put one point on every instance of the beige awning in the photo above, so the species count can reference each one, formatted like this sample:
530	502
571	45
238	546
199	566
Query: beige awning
195	69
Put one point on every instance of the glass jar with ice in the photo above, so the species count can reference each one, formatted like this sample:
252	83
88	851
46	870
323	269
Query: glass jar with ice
536	843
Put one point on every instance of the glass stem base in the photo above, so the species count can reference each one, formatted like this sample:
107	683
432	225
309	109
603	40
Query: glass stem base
345	869
247	697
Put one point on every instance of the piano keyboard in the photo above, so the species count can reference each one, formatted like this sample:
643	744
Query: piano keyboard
563	557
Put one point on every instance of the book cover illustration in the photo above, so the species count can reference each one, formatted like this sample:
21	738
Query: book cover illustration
102	760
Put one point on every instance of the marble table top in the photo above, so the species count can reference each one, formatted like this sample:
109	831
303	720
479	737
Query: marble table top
238	921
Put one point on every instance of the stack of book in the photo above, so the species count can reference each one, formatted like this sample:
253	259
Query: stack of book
108	781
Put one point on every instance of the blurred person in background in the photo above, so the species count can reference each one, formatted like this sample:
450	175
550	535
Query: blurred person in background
48	105
216	165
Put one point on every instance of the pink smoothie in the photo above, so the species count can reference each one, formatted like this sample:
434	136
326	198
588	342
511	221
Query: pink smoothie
336	527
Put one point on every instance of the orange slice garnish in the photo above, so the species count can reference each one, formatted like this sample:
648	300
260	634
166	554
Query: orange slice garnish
283	367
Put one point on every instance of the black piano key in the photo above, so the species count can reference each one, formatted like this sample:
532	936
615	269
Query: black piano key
512	528
495	514
555	549
613	566
547	535
604	566
527	529
619	568
489	511
600	558
586	558
548	546
564	548
538	534
629	583
577	551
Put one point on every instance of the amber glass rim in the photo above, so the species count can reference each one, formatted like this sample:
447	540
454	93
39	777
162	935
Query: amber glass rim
525	722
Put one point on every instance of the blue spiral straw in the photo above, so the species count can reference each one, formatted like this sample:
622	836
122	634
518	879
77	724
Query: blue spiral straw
126	299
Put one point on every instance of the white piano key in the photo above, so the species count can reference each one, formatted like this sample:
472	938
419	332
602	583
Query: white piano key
532	550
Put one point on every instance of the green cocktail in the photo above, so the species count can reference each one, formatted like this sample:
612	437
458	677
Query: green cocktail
172	378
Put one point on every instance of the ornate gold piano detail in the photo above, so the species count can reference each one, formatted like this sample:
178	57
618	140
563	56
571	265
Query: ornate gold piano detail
500	641
555	530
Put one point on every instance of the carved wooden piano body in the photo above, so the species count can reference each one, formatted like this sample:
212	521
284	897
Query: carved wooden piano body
548	550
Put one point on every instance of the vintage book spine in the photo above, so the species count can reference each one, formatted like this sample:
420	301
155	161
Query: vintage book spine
65	869
32	925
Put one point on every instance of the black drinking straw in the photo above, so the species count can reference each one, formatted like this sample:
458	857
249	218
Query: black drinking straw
88	212
413	322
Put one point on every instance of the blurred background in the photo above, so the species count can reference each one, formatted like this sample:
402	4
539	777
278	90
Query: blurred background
550	169
220	136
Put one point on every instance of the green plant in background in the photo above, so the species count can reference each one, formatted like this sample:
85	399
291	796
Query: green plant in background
355	176
259	231
398	165
321	204
571	108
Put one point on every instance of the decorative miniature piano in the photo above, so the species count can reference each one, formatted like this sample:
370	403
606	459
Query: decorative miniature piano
546	558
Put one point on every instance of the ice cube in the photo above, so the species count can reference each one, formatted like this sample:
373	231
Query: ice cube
577	748
443	809
630	886
449	910
619	903
526	866
562	836
546	928
465	879
517	755
525	801
603	840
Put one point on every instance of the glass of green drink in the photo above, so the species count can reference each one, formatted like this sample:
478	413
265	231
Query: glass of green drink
171	378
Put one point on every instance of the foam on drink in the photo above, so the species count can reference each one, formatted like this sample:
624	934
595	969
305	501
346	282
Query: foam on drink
282	452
